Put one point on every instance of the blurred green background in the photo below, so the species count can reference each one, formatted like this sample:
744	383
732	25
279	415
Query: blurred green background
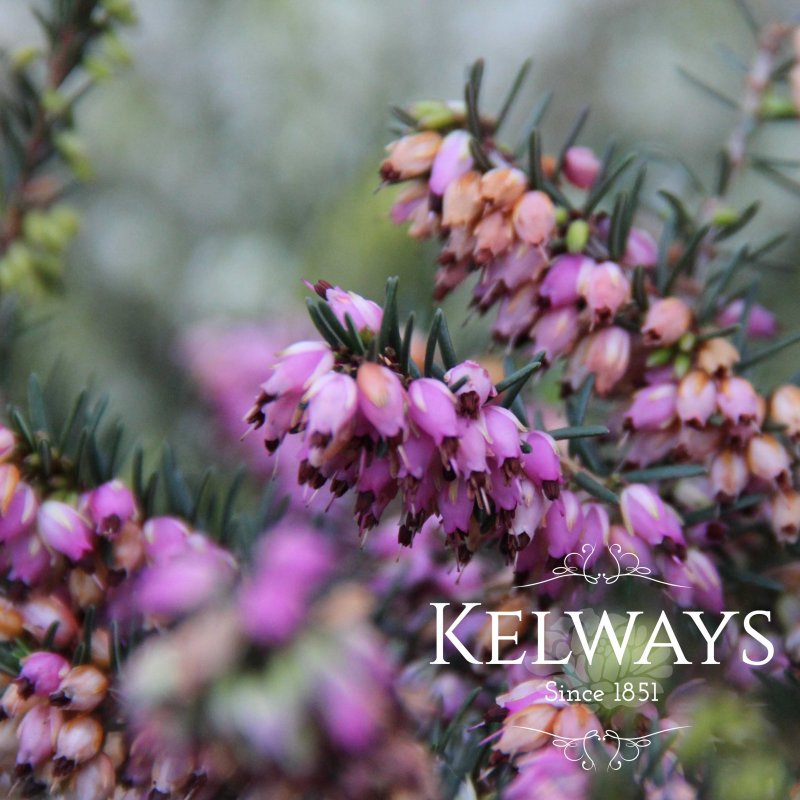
239	154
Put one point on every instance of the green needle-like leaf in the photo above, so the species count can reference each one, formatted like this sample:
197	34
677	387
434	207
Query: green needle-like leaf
579	432
768	352
508	103
589	484
663	473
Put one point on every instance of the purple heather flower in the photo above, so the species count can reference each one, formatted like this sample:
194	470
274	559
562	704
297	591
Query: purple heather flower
164	537
478	388
647	516
563	524
64	530
503	431
653	408
501	187
27	557
432	408
666	321
767	459
381	399
8	442
530	511
737	400
110	506
699	573
728	474
41	672
761	323
581	166
697	398
607	357
596	528
366	314
642	249
566	280
18	507
297	367
455	506
542	464
453	159
332	401
555	332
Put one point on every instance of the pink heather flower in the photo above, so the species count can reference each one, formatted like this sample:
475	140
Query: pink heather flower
27	557
410	156
82	688
542	464
332	401
666	321
110	506
784	408
761	323
565	280
95	779
297	367
515	315
642	249
432	408
366	314
503	186
291	563
647	447
64	530
531	508
502	433
472	448
647	516
596	528
546	774
767	458
350	707
79	740
784	513
653	408
607	290
581	166
534	217
381	398
41	672
455	506
18	504
697	398
698	572
494	234
8	442
164	537
728	474
411	200
737	400
555	332
37	733
40	612
452	160
563	524
478	388
607	357
630	543
461	207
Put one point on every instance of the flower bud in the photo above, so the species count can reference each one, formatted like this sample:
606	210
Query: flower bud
607	357
301	363
555	332
494	234
737	400
534	217
563	524
16	701
666	321
79	740
566	280
503	186
164	537
81	689
717	356
462	203
42	612
647	516
111	505
761	323
332	401
784	512
95	780
452	160
729	474
642	249
607	290
28	558
18	504
432	408
38	733
784	408
41	672
767	458
410	156
542	463
653	408
581	166
477	389
64	530
381	398
697	399
367	315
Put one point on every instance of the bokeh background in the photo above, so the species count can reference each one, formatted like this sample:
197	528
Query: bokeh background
238	154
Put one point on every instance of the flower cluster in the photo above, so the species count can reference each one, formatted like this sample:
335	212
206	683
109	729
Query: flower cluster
84	578
291	682
443	445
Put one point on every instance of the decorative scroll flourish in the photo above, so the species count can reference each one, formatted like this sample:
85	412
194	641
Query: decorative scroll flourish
618	749
632	569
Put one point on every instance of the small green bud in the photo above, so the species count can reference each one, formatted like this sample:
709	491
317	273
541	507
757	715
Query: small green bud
98	67
683	363
24	56
432	114
660	357
114	50
74	153
120	10
725	216
577	236
776	106
562	215
687	342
